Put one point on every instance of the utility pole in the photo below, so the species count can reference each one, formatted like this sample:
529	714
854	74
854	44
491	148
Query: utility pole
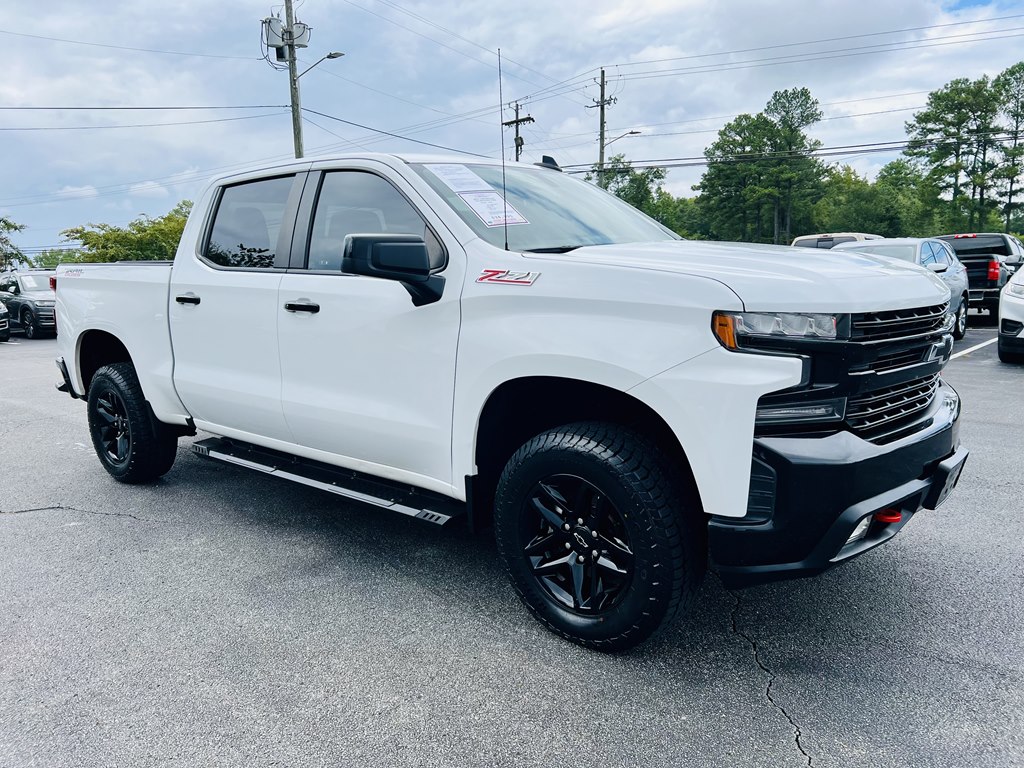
601	104
293	76
517	122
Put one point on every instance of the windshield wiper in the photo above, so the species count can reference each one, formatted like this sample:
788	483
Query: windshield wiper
554	249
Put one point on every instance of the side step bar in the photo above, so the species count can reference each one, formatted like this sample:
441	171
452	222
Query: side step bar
421	504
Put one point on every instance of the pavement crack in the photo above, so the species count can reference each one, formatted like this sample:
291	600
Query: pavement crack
771	677
63	508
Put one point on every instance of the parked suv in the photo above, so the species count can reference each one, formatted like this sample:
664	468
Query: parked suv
29	300
990	258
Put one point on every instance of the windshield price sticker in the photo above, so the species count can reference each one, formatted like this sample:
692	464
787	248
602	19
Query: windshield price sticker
493	209
459	178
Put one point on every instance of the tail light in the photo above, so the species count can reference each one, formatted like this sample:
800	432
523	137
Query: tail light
993	270
53	283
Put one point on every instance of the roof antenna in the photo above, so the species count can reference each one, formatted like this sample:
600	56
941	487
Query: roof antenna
504	199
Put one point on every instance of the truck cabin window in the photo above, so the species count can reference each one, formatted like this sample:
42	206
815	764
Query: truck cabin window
246	224
361	203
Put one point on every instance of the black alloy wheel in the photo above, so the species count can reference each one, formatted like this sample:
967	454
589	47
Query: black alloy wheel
601	534
114	430
28	324
578	547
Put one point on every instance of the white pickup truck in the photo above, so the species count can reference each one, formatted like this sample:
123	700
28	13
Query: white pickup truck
444	337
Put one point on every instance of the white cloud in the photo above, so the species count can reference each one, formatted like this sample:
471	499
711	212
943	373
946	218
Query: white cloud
422	88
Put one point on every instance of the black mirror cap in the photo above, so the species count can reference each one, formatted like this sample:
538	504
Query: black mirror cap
394	257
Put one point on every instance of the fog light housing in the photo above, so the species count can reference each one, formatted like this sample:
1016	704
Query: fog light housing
860	531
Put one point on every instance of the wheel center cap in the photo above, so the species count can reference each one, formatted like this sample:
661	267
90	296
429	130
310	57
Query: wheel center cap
583	539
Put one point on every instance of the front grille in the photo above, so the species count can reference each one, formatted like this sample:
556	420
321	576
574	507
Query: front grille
887	408
897	323
890	361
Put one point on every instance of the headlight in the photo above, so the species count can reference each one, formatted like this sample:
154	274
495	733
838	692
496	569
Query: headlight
44	303
730	328
1017	289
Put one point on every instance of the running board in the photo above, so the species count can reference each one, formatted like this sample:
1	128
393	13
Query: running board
414	502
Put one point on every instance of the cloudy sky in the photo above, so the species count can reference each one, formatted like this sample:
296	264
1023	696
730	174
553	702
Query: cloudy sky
427	71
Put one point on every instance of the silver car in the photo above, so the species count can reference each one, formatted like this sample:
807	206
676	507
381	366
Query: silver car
933	254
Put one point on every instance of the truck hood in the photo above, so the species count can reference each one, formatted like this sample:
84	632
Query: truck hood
779	278
44	295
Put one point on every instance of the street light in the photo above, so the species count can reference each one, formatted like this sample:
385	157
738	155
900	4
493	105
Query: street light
627	133
294	86
331	55
600	165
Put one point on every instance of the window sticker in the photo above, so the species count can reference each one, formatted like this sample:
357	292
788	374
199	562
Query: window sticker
493	209
459	178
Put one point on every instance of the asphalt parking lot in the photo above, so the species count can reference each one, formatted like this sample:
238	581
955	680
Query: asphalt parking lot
225	618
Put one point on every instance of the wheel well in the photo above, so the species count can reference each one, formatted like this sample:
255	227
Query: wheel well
523	408
96	349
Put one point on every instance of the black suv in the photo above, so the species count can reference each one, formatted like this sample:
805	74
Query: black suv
990	258
29	300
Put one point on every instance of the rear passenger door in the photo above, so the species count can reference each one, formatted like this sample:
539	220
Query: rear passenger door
367	377
224	312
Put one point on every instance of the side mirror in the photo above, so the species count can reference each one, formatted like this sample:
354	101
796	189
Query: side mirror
936	267
394	257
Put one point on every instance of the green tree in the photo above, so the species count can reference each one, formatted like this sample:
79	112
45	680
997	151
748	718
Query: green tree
795	175
9	252
1009	88
51	257
639	188
762	180
144	239
954	139
735	188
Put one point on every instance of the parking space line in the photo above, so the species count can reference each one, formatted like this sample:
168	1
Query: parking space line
975	347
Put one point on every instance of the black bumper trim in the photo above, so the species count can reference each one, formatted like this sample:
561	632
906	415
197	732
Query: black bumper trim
826	486
1009	343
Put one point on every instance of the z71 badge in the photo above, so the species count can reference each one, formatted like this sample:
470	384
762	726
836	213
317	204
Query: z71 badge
507	277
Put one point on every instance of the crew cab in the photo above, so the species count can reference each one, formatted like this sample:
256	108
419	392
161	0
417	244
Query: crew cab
29	300
445	337
990	258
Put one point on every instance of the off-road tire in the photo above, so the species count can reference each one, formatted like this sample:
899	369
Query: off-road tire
131	445
660	518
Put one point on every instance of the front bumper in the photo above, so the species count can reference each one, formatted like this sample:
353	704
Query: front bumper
810	493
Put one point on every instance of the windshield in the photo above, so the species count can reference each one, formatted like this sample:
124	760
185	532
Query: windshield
35	282
547	210
903	252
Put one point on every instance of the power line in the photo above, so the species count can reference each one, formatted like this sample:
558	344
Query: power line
822	40
128	109
388	133
128	48
138	125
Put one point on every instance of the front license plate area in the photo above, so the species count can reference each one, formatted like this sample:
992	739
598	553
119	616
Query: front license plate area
947	475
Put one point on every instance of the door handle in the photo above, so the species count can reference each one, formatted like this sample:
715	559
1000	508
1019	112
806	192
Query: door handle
302	306
188	298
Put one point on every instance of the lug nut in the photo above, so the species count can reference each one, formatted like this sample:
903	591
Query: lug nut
568	545
595	554
566	527
594	534
580	559
580	521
